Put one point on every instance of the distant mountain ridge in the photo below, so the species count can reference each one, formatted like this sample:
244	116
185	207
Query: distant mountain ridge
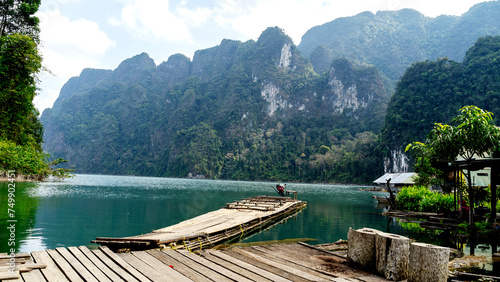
393	40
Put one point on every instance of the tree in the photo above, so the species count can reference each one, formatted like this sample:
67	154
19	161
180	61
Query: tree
475	135
17	16
199	152
20	63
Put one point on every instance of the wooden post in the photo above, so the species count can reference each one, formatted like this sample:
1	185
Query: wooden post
471	197
428	263
361	248
494	179
392	256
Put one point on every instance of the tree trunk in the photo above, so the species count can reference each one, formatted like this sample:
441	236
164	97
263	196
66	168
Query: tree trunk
392	256
361	248
428	263
392	198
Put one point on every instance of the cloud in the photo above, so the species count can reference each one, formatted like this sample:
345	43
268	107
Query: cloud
67	47
250	18
158	20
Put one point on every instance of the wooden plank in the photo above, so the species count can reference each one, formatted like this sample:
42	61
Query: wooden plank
289	267
89	265
273	268
301	262
169	273
24	267
33	276
176	265
215	267
64	266
123	264
233	267
142	267
77	265
113	266
248	266
26	256
320	251
99	264
194	266
51	272
10	275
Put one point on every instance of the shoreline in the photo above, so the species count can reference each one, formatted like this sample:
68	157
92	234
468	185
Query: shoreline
21	178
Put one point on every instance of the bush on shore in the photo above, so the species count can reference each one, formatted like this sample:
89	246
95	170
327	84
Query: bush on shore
421	199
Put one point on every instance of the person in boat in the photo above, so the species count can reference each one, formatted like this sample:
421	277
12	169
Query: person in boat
280	189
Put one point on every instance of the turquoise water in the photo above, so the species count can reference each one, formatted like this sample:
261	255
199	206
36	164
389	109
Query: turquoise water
76	211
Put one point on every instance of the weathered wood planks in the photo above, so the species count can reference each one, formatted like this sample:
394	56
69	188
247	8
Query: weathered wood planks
284	262
236	219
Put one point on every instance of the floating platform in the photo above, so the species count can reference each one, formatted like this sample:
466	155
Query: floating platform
280	262
236	219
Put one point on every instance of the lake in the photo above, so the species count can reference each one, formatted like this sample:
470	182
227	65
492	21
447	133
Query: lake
77	210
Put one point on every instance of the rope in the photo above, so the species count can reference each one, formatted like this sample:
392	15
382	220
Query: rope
201	245
242	232
186	246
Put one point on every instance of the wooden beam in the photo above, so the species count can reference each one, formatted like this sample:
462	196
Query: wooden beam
51	272
123	264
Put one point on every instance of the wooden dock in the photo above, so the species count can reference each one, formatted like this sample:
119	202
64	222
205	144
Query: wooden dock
235	220
285	262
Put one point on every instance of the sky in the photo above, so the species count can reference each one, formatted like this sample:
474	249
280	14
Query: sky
78	34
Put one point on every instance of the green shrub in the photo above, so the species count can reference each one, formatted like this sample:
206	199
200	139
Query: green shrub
421	199
23	159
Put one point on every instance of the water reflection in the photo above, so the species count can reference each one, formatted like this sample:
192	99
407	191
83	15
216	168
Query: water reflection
24	215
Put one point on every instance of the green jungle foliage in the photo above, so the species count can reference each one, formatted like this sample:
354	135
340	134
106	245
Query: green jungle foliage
421	199
432	92
21	133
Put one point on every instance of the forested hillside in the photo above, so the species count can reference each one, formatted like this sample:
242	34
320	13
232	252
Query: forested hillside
393	40
433	91
240	110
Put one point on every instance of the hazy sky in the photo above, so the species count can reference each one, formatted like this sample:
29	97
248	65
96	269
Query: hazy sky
78	34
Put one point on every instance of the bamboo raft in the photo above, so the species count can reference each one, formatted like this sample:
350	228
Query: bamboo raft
235	220
285	262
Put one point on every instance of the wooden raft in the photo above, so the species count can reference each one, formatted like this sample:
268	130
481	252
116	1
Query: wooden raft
286	262
237	219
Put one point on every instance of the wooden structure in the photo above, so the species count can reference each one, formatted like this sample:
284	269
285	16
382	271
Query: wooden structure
398	180
287	262
236	220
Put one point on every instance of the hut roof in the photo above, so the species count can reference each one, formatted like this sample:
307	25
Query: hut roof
401	178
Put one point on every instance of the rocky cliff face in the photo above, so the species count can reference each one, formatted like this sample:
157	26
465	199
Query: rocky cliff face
88	79
134	119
